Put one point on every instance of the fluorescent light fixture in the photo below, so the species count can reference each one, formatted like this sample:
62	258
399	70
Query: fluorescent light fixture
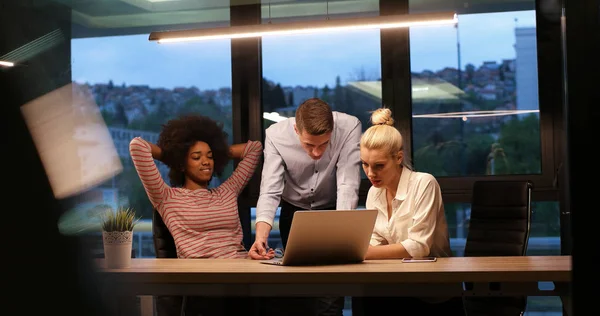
305	27
6	63
467	114
19	56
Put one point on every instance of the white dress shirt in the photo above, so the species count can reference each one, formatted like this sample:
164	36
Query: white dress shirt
417	222
289	173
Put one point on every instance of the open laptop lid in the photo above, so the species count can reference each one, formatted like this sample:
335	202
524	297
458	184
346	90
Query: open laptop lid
329	237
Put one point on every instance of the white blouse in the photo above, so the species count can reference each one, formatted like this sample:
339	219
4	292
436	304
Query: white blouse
417	222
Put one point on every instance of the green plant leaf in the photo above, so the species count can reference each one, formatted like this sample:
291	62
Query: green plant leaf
123	219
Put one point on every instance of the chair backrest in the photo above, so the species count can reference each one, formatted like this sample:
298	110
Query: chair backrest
164	245
499	226
500	219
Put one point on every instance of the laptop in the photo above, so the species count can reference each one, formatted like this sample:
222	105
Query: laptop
328	237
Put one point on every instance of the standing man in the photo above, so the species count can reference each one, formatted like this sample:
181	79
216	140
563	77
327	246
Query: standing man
311	161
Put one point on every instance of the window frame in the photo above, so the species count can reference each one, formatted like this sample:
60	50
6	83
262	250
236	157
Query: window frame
396	93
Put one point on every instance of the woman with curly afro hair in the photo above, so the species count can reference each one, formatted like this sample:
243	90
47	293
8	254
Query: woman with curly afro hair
204	222
179	135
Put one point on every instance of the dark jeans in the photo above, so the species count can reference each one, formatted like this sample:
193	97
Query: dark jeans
302	306
375	306
320	306
221	306
267	306
168	305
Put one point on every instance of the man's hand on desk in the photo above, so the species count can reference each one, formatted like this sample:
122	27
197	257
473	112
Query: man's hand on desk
259	251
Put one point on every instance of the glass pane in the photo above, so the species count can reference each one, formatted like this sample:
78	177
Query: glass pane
544	239
327	66
475	95
457	219
139	85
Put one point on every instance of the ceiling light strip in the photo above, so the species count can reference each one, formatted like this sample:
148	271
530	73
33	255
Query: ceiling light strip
474	114
305	27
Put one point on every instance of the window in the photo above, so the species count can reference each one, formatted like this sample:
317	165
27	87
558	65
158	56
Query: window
342	68
331	67
476	110
327	66
125	72
139	85
475	96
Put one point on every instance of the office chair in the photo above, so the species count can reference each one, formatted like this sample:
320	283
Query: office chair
499	226
164	246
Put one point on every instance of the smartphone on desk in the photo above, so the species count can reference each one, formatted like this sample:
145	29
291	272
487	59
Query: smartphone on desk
422	259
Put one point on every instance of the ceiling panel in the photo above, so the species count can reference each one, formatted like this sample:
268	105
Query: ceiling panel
120	17
114	17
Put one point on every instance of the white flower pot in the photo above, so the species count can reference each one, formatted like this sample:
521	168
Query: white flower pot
117	249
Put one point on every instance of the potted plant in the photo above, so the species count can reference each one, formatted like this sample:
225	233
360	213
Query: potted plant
117	236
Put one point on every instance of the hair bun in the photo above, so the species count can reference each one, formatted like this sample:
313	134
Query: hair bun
382	116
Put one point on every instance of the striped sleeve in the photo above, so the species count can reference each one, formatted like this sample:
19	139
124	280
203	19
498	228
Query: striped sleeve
245	169
153	183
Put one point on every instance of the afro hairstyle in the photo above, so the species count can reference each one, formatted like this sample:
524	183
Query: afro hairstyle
178	135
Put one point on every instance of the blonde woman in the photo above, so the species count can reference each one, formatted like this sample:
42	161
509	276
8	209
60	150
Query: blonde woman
411	222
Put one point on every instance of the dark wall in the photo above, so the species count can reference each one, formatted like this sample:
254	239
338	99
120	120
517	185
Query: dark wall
47	272
581	26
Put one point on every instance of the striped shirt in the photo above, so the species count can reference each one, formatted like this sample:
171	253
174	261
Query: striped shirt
205	222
